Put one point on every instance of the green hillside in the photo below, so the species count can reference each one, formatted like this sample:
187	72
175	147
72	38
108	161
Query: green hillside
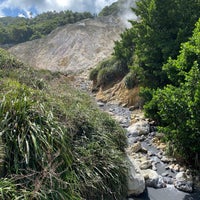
55	143
15	30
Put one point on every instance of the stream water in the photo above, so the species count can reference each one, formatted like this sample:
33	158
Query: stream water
168	193
124	117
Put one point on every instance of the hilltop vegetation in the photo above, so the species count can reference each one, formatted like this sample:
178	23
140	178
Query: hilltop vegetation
159	59
19	29
55	143
117	8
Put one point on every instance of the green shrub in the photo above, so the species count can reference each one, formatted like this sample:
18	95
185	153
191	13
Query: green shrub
176	106
108	72
7	61
130	80
106	76
93	74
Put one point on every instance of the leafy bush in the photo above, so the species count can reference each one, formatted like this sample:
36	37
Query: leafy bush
176	107
157	35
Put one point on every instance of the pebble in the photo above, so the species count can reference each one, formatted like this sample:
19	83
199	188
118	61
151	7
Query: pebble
165	174
168	180
100	104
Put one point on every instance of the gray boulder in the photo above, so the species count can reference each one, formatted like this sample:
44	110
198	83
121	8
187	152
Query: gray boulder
152	179
139	128
136	182
184	182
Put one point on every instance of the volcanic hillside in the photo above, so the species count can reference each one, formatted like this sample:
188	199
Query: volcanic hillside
72	48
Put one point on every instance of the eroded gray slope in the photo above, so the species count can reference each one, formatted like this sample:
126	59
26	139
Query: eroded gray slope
73	48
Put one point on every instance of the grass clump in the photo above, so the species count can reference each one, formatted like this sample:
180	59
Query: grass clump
8	61
55	142
108	72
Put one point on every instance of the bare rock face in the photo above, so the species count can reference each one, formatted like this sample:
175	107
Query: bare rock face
74	47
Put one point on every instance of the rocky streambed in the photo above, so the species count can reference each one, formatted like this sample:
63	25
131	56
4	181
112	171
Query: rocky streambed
152	174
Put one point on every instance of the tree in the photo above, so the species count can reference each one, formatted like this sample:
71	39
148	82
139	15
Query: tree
124	48
16	30
176	107
157	34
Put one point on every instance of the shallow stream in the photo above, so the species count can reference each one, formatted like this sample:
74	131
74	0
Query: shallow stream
168	193
123	116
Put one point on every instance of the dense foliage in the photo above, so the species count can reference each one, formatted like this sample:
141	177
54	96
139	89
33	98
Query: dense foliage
154	37
16	30
55	143
161	60
176	106
157	34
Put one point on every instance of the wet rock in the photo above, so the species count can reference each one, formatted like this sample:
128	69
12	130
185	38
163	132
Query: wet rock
182	169
167	167
165	174
100	104
149	153
139	128
154	168
161	146
168	180
159	154
136	147
142	138
132	108
177	167
153	128
120	119
152	134
131	140
146	164
174	167
144	150
166	159
184	182
152	179
111	110
136	182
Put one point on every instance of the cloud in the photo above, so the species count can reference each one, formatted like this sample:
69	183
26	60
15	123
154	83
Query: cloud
93	6
127	13
21	15
1	14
